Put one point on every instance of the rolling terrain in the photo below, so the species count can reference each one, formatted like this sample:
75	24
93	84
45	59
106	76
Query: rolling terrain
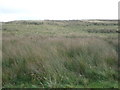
60	54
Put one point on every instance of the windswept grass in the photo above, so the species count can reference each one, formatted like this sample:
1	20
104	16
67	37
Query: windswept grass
59	61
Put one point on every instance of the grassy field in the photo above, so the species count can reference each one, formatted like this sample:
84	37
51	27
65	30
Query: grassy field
60	54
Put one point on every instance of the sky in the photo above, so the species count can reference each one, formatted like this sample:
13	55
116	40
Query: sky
58	9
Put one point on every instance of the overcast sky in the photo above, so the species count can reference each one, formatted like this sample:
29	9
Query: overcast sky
58	9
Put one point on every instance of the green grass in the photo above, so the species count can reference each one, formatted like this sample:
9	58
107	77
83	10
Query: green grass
59	54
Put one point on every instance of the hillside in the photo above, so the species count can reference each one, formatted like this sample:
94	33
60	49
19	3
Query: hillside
60	54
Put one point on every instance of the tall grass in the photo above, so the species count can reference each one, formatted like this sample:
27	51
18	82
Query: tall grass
58	62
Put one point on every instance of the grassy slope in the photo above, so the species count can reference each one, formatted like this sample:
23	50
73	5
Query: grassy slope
60	54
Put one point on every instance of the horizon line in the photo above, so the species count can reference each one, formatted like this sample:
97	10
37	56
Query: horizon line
59	20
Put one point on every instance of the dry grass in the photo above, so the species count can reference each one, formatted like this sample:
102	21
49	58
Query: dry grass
76	60
58	61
